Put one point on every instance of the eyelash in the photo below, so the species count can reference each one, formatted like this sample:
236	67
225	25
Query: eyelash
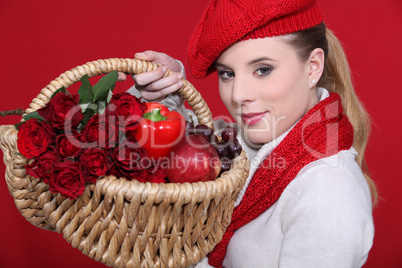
222	73
226	75
267	70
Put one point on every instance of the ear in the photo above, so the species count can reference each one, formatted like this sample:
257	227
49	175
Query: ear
316	66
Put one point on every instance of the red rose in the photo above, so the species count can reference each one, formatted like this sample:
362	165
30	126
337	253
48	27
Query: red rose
67	179
154	175
62	111
69	144
133	163
34	138
126	109
100	132
42	167
112	170
129	158
94	163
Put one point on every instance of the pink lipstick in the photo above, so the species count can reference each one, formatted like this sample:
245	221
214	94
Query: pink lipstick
252	118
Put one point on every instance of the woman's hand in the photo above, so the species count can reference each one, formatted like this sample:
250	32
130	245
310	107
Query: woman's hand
152	85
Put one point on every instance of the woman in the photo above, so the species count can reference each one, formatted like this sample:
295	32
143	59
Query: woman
285	80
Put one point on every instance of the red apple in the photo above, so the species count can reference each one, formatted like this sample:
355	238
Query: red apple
193	159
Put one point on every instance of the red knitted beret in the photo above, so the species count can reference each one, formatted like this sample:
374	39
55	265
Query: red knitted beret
228	21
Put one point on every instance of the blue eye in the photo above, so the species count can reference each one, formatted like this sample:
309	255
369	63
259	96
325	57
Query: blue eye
262	71
225	75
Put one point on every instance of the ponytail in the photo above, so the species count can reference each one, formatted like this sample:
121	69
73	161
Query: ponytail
337	78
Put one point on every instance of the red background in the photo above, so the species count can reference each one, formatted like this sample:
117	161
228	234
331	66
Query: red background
42	39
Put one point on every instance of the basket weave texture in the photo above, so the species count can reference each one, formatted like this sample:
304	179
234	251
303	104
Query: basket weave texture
125	223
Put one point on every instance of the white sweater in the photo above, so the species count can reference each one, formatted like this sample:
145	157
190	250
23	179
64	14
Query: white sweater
322	219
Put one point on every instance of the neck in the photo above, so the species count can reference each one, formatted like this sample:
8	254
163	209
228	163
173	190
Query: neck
256	153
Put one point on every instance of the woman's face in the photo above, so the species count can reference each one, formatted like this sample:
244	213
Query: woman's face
265	86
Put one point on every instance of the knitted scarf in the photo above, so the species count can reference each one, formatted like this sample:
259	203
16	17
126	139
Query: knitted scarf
322	132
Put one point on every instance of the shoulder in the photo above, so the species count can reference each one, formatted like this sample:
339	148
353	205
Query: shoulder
333	177
328	204
333	187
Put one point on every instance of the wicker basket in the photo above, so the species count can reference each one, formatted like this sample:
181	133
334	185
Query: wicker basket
125	223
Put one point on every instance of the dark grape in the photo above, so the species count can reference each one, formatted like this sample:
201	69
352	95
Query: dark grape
205	131
234	149
229	134
190	129
221	148
225	164
227	148
214	140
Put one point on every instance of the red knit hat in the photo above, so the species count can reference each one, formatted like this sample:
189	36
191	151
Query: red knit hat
228	21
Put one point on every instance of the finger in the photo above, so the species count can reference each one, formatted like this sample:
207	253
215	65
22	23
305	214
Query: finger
141	56
121	77
156	57
161	94
149	55
164	82
149	77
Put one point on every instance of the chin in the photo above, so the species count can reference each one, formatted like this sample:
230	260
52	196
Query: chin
257	139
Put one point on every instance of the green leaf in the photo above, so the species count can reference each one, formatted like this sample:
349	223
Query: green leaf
85	90
84	106
101	89
91	110
18	125
154	115
101	107
62	89
32	116
109	96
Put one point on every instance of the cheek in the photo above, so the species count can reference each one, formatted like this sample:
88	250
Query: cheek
286	89
226	96
281	87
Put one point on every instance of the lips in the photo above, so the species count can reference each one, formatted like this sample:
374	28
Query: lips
252	118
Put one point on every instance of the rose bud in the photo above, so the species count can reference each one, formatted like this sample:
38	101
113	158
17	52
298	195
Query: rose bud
67	179
129	158
94	163
34	138
127	110
42	167
62	111
101	132
69	145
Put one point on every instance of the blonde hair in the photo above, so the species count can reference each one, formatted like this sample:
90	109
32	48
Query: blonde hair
337	78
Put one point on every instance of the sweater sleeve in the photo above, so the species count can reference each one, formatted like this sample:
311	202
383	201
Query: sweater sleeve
330	223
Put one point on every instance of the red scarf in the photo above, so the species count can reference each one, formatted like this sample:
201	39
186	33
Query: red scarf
322	132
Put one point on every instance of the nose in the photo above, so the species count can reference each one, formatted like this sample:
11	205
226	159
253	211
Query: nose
241	91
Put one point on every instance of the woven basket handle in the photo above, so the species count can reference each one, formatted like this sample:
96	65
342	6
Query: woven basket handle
8	141
128	66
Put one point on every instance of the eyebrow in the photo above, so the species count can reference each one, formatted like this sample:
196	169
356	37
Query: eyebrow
260	59
218	64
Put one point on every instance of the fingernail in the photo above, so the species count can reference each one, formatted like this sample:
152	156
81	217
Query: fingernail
181	84
179	76
164	69
139	55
